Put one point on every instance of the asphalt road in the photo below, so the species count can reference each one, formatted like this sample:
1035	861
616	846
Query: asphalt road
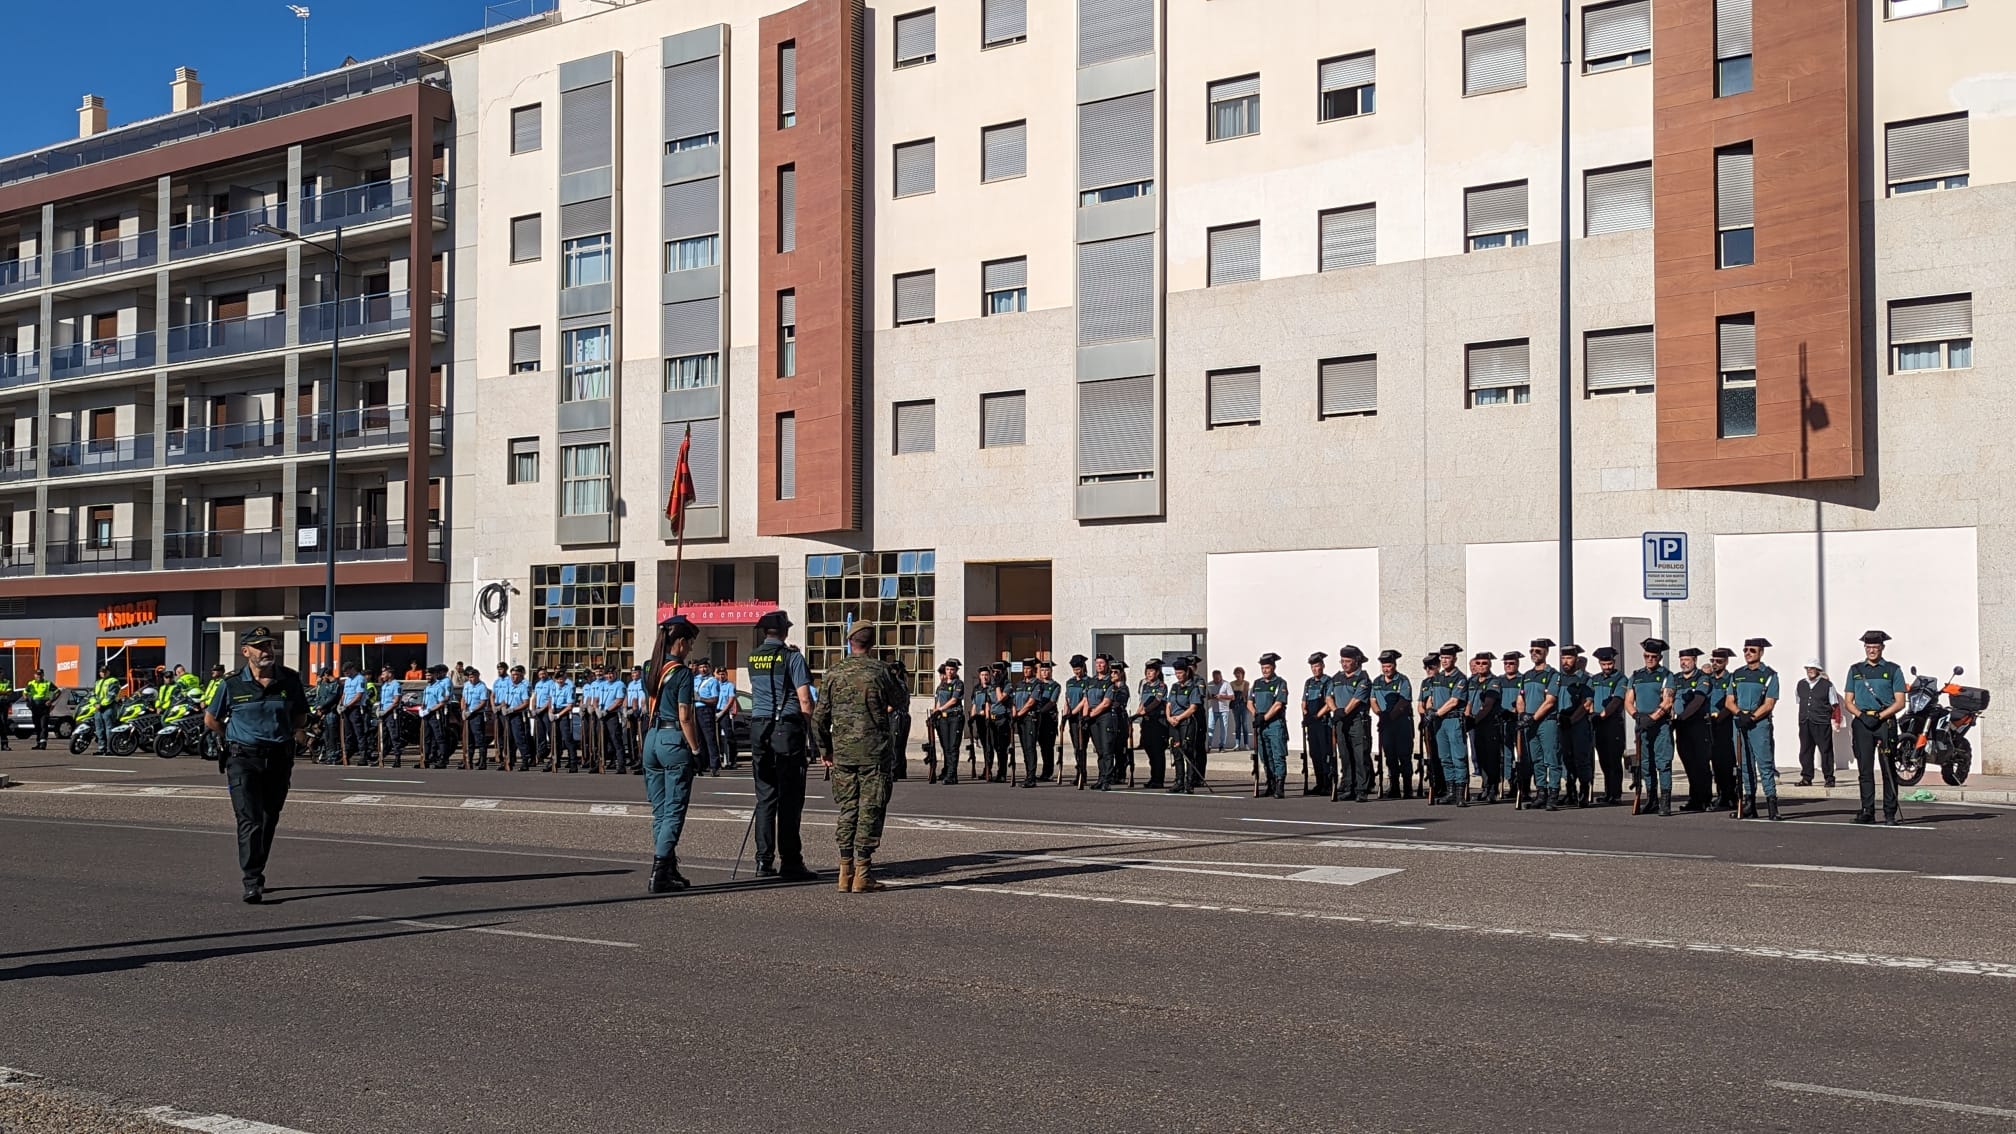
473	952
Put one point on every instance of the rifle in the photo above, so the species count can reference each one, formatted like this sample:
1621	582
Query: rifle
1259	738
931	747
1421	766
465	740
1305	748
1127	743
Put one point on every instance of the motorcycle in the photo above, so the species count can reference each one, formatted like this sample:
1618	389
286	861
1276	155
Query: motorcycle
85	733
136	725
1931	733
181	727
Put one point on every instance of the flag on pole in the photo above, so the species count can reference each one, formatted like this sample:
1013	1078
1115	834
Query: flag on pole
682	486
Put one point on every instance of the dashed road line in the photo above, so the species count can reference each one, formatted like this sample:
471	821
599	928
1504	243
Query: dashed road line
1323	823
213	1123
1828	869
1971	878
1895	1100
497	932
117	771
1303	872
481	804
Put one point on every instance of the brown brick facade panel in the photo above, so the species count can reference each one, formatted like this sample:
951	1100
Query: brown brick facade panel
823	270
1801	119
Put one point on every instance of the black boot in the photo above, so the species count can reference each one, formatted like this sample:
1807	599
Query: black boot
1281	787
1666	804
1771	809
1553	799
1866	815
655	884
674	881
1463	796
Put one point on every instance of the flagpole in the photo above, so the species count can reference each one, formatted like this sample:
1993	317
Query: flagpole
680	477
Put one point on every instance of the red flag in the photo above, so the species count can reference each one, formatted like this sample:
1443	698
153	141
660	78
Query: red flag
682	487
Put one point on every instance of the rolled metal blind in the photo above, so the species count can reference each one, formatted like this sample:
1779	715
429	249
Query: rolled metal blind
1616	29
1116	141
916	167
1733	179
1932	320
1347	385
692	327
787	208
584	218
916	427
1494	208
1116	290
525	132
1114	29
1235	254
1347	72
787	456
1003	274
1350	238
1617	200
1736	342
586	122
1619	359
1116	426
1494	59
1930	147
525	237
1233	396
525	345
916	297
1234	88
1003	419
787	309
787	78
1003	20
1493	366
916	35
693	98
703	460
693	208
1004	151
1732	28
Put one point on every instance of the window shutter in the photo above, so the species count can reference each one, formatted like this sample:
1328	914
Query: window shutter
1234	396
525	237
1004	274
693	208
1932	320
787	208
916	297
787	78
586	121
1617	200
693	98
1736	343
916	427
1732	28
1733	173
1616	29
1494	208
1494	59
1116	426
1347	72
787	309
1114	29
1003	419
692	327
524	345
1003	20
703	460
916	167
1932	147
1493	366
1116	290
584	218
1235	254
1226	89
1347	385
1618	360
1116	141
1004	151
787	457
1349	238
916	35
525	124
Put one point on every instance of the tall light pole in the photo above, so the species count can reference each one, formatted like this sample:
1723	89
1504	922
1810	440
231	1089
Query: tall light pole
1566	422
301	13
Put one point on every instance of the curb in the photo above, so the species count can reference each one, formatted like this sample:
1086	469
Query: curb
5	783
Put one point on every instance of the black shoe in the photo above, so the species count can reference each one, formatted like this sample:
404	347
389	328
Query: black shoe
674	881
1029	783
254	895
1691	808
1805	782
1771	809
796	872
655	882
1666	804
1553	797
1865	817
1830	783
765	870
1892	819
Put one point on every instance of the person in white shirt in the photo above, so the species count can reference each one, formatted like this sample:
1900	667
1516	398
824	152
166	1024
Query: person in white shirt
1221	710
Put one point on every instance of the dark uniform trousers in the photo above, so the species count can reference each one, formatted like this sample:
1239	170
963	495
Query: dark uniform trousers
1046	742
1155	741
1317	737
436	739
899	759
1722	756
521	739
1105	741
1354	753
1189	737
615	745
949	727
1078	738
1610	753
1000	743
1026	727
1816	737
1429	749
356	741
566	739
1578	753
1867	735
1396	748
391	740
710	752
479	736
777	762
1487	750
1693	743
258	792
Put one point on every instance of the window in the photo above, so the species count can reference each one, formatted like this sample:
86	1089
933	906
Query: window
787	456
583	614
1930	153
787	84
1494	216
1115	29
1004	286
586	354
787	208
1116	148
1618	199
1235	108
1618	360
1115	193
1004	151
1735	231
1932	334
1498	374
1732	47
1347	387
1736	359
916	427
787	333
917	38
894	591
524	238
1004	419
703	460
691	252
1116	429
585	261
1615	36
100	525
1494	58
1003	22
692	372
525	129
916	298
695	142
1232	397
1235	254
1349	238
584	480
1116	290
1344	86
916	167
524	350
1899	9
524	461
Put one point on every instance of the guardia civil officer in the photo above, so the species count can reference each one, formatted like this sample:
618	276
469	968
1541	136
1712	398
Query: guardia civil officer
1539	704
1350	708
1152	712
670	749
1431	757
1873	696
1444	692
261	713
1186	724
1648	699
1075	688
1393	701
1578	729
1721	730
1119	737
1047	693
1753	693
1692	740
1098	708
1270	726
948	720
1511	683
1316	734
780	695
1023	704
1482	718
1606	691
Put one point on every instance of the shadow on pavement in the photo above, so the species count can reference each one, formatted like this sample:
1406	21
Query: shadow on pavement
425	882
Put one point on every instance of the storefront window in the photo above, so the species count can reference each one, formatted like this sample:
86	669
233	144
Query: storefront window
584	614
371	651
19	659
131	660
895	590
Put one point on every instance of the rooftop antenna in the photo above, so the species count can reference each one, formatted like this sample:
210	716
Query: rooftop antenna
301	11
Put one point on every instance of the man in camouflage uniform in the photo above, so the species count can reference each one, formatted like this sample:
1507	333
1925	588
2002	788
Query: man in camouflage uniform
852	719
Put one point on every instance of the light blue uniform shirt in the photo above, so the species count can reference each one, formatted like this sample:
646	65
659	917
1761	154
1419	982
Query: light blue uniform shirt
727	694
706	690
388	696
563	694
633	694
353	690
436	694
475	695
542	694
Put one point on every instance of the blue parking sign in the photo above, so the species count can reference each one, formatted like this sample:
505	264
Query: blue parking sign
321	629
1665	565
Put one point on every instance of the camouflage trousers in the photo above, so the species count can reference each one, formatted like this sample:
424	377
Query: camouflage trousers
862	794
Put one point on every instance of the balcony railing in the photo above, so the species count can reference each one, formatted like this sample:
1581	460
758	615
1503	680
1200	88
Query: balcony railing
102	356
17	559
20	274
224	232
368	203
364	542
234	442
227	336
103	257
368	427
110	454
378	314
17	464
19	369
89	556
189	551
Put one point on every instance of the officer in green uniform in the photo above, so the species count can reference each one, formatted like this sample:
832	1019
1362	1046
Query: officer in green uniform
1186	725
669	748
1578	729
1270	725
262	713
1431	756
1692	739
948	718
1721	730
1753	693
1316	725
1119	730
1872	696
41	697
1648	700
1606	706
1048	693
980	717
1099	708
1153	713
1074	714
1350	709
780	701
1024	701
1482	699
1393	701
1539	715
1510	682
1445	691
853	722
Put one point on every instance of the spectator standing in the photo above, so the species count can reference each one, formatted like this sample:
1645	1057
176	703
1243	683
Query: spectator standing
1242	708
1221	710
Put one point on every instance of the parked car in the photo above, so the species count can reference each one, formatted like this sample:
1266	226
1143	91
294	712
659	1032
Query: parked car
62	715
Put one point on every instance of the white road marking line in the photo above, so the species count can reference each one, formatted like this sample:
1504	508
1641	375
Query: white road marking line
1898	1100
1333	875
151	790
1827	869
1971	878
498	932
74	789
1340	875
213	1123
1833	823
745	794
376	780
609	809
1137	833
15	1077
1488	848
1320	823
117	771
931	824
362	799
481	804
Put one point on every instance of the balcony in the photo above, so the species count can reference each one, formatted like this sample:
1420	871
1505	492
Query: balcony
191	551
361	315
224	232
109	454
235	442
94	556
17	464
20	275
19	369
17	559
368	203
103	257
103	356
368	428
364	542
192	341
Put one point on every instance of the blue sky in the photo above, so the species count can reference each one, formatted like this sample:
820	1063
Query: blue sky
235	46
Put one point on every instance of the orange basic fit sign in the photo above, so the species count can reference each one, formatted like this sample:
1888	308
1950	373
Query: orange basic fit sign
123	615
68	666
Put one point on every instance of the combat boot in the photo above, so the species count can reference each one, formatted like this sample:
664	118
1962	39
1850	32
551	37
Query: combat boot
863	883
1771	809
674	881
1553	799
1463	796
656	883
846	883
1666	804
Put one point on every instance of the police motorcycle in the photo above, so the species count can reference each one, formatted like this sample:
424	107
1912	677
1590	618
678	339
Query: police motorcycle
1931	733
136	724
182	727
85	733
